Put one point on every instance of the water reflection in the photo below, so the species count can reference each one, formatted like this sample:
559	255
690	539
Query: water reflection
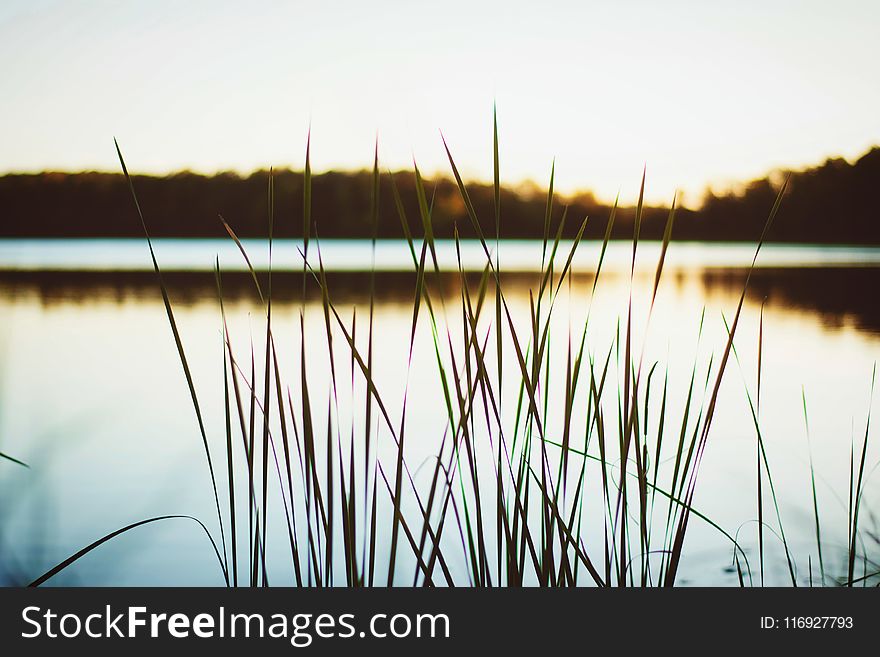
91	395
837	295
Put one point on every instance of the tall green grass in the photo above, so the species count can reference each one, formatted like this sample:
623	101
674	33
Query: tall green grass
521	490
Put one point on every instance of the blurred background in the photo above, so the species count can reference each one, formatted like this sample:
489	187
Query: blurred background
719	103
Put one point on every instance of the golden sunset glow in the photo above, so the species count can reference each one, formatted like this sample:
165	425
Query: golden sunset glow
704	93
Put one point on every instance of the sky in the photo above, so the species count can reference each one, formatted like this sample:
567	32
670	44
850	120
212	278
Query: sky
701	93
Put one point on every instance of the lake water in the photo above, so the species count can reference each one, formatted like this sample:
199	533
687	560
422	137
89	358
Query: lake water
93	398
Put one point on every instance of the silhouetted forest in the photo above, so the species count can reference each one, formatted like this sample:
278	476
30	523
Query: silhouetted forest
831	203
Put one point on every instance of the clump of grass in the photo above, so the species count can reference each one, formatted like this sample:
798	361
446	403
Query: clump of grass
520	491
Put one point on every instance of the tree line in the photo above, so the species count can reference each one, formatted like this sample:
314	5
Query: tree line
830	203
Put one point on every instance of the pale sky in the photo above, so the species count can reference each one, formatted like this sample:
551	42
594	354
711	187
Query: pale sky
702	92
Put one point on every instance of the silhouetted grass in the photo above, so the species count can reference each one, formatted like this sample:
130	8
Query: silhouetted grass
506	503
13	460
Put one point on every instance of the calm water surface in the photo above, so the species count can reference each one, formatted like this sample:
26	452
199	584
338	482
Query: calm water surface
92	396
